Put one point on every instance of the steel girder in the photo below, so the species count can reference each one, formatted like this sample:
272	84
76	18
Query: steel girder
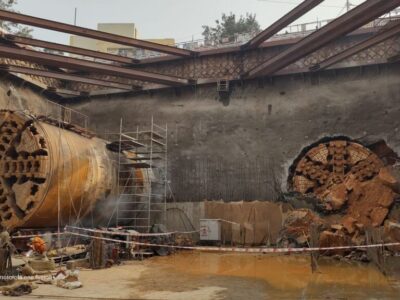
70	49
287	19
355	18
90	33
84	65
67	77
391	30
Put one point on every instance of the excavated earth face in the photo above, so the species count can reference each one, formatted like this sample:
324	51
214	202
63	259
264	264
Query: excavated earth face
352	187
327	169
24	166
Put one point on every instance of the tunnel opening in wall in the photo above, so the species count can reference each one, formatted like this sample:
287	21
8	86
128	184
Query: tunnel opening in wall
337	170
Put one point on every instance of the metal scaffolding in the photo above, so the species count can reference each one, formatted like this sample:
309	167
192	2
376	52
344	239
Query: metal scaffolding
142	177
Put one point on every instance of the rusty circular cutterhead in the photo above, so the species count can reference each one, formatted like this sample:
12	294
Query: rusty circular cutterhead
331	163
24	166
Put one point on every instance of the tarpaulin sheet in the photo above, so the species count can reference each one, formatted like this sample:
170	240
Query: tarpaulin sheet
258	222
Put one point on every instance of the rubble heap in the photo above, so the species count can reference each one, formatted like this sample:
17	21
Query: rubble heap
353	191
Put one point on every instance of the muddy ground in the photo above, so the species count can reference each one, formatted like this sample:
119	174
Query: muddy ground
192	275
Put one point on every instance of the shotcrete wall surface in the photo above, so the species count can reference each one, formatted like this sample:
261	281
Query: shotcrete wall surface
242	149
19	96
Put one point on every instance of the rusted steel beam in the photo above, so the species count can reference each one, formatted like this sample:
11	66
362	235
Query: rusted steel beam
84	65
286	20
90	33
386	33
70	49
237	49
67	77
355	18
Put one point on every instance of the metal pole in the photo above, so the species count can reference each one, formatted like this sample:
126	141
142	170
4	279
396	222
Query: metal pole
348	5
119	170
150	171
76	12
165	174
58	190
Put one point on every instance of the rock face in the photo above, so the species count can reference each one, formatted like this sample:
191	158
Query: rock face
332	170
353	188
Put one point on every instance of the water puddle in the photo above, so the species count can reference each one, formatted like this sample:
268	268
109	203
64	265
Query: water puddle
286	277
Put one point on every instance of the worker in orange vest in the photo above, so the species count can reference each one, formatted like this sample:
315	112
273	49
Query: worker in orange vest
38	245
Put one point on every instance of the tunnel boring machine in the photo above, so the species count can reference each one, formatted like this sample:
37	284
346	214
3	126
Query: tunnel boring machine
49	175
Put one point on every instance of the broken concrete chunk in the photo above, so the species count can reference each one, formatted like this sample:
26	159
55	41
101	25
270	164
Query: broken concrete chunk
337	227
42	264
68	280
349	223
18	289
378	215
331	239
78	263
337	196
387	177
391	234
297	225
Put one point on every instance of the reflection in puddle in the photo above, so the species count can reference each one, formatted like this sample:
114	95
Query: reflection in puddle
288	276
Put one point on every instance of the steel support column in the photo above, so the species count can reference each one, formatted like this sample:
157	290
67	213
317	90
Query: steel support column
286	20
355	18
90	33
84	65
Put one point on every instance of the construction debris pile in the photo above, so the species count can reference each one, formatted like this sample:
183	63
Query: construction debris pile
351	190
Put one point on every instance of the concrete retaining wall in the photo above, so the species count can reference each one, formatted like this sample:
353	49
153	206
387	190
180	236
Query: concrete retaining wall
241	149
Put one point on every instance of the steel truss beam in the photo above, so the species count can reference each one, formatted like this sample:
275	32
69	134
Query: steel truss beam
286	20
355	18
90	33
84	65
67	77
70	49
391	30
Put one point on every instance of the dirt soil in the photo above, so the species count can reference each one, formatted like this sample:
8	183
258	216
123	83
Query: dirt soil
192	275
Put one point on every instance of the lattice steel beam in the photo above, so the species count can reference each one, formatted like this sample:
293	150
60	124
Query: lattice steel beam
391	30
84	65
355	18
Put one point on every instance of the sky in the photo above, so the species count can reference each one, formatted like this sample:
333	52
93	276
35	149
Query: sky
178	19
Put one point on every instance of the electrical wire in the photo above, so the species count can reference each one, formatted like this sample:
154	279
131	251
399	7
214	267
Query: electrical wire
297	3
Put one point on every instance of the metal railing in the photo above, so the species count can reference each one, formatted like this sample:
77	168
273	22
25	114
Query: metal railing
64	114
290	32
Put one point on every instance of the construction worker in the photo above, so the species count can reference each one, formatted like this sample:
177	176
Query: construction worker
38	245
6	251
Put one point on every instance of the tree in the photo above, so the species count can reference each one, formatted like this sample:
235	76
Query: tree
12	27
229	28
